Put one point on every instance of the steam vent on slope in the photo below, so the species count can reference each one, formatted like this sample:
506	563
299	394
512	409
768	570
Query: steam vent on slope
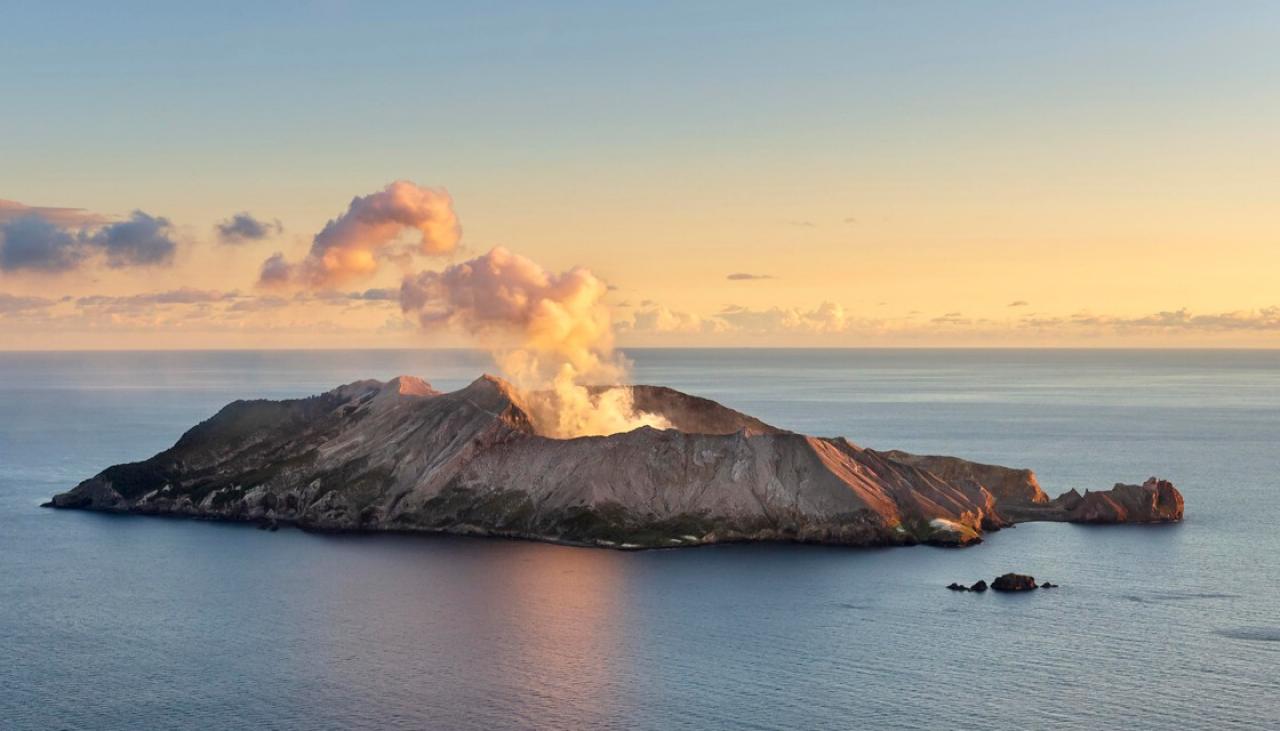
401	456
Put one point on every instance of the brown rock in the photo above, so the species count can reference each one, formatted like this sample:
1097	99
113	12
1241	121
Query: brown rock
1014	582
1154	501
402	456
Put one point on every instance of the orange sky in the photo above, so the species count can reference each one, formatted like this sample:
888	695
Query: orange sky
1088	176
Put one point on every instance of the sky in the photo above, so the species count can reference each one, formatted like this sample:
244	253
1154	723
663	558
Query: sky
738	173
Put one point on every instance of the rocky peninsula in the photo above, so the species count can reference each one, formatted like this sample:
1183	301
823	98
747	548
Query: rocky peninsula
401	456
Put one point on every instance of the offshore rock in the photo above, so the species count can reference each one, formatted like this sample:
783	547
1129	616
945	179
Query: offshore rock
1014	582
401	456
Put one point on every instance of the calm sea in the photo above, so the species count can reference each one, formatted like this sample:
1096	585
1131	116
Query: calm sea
115	622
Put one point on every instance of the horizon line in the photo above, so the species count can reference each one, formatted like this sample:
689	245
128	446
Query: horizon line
1209	348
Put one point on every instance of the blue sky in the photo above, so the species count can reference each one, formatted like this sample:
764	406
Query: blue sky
665	144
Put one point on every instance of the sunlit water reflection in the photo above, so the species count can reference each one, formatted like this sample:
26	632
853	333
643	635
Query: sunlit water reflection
113	622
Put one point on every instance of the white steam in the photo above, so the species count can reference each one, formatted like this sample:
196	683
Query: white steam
551	334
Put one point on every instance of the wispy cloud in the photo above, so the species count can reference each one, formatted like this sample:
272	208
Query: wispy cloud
952	318
64	217
12	303
1182	320
1018	303
182	296
747	277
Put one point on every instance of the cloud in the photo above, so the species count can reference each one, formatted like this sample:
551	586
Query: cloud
1018	303
1265	319
827	317
655	318
12	303
802	224
375	295
142	240
349	246
275	270
35	243
182	296
257	304
243	227
62	217
745	277
952	318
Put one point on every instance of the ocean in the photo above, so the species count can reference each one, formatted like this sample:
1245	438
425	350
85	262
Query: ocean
123	622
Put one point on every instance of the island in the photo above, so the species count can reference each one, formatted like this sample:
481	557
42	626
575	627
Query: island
402	456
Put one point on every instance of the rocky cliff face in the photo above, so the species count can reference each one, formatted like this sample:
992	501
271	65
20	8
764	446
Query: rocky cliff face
402	456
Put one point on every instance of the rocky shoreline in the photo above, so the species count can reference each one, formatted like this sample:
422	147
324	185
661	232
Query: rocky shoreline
403	457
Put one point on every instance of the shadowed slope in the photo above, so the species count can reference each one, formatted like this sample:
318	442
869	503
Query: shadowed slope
402	456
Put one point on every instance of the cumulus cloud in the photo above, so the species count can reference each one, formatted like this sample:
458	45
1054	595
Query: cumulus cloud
551	333
746	277
655	318
275	270
827	317
33	242
349	246
143	239
243	228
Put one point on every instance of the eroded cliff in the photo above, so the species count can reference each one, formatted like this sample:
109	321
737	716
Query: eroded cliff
403	456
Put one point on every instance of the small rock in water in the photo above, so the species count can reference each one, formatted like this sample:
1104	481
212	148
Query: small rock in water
1014	582
1048	585
980	586
953	586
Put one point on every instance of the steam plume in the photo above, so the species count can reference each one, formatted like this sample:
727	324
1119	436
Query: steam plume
348	246
551	334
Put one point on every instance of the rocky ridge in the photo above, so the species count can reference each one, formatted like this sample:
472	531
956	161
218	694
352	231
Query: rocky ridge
401	456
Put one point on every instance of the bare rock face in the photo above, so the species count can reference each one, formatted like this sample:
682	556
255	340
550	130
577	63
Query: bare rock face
403	456
1014	582
1154	501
